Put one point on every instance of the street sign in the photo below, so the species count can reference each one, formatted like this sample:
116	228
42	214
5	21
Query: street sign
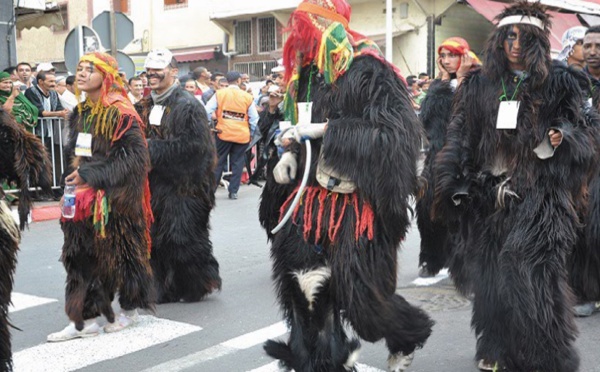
126	64
124	29
81	40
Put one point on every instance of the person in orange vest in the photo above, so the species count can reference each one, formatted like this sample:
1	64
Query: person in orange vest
236	117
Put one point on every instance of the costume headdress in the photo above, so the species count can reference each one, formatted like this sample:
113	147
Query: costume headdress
459	46
113	114
320	35
534	28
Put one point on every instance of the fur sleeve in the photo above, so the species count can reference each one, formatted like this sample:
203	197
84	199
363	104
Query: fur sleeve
373	138
127	158
435	113
450	166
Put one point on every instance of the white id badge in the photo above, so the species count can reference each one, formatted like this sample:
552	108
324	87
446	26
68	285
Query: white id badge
156	114
83	146
304	112
507	115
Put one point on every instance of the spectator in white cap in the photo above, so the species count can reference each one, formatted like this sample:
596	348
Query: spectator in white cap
46	67
182	156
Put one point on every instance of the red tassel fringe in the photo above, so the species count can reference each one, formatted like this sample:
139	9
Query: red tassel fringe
364	217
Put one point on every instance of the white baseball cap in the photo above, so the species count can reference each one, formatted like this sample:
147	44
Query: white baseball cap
158	58
44	66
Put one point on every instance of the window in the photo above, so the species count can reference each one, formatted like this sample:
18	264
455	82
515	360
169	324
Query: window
243	37
173	4
255	69
267	35
64	14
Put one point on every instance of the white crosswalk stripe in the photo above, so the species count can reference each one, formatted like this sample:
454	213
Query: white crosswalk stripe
76	354
228	347
21	301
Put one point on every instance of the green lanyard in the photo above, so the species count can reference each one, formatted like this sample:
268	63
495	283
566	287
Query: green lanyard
310	77
504	96
87	122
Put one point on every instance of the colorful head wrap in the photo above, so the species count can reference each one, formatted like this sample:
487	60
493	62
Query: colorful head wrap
569	39
23	111
319	35
459	46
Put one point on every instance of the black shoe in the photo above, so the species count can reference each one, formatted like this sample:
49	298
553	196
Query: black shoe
233	195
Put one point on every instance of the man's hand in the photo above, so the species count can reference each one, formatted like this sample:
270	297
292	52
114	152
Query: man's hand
556	137
285	170
74	179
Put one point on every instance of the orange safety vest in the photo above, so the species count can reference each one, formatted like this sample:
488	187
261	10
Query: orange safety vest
232	115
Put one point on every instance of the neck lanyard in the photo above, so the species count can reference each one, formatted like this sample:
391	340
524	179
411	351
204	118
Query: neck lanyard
87	122
504	97
310	77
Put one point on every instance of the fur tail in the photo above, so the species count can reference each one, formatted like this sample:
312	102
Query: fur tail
281	351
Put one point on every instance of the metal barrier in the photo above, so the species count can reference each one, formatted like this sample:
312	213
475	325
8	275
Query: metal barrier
52	132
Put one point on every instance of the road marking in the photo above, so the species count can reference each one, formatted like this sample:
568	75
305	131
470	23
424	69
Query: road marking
21	301
228	347
76	354
443	274
274	367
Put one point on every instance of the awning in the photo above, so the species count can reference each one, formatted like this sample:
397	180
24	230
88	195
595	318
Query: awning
192	56
561	22
591	20
41	19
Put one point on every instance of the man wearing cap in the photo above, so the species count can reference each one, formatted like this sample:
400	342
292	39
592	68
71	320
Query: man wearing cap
46	67
66	96
182	155
516	163
237	120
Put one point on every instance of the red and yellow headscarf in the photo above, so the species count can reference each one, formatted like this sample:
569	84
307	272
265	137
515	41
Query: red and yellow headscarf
459	46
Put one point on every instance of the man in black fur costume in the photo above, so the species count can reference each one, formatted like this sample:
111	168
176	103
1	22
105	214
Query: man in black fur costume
107	242
584	263
23	159
182	156
520	169
454	63
335	261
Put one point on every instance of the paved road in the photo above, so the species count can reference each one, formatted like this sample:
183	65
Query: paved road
224	332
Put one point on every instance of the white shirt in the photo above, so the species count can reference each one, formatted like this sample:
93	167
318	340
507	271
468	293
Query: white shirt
68	100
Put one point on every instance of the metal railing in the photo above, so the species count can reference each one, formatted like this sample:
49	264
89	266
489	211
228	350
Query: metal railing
52	132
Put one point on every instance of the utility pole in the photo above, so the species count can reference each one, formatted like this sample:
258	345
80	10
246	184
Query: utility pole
389	31
8	36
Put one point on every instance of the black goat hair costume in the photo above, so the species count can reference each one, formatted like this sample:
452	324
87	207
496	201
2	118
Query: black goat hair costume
182	157
23	159
336	259
101	261
436	241
584	262
523	210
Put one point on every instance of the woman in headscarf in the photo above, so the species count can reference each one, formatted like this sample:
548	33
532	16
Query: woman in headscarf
456	60
107	243
14	102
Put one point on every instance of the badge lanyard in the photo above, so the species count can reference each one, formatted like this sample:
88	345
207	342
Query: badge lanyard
509	109
83	146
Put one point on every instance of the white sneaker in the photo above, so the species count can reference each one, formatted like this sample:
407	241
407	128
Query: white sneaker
90	329
126	319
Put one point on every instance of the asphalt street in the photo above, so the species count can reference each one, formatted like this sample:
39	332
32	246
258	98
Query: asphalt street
225	332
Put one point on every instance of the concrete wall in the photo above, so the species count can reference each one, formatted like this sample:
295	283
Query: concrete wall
42	45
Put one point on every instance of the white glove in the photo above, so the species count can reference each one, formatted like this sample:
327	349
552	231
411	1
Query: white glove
285	170
309	131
